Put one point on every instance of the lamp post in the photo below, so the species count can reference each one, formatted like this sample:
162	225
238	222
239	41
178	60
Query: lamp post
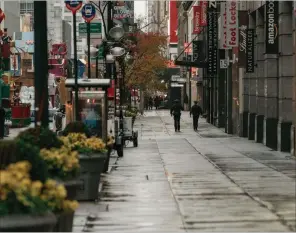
74	6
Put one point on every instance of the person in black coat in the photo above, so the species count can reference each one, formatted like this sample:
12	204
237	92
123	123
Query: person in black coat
196	111
176	112
2	121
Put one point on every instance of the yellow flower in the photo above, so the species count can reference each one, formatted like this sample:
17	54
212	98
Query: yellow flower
50	183
70	205
36	188
61	192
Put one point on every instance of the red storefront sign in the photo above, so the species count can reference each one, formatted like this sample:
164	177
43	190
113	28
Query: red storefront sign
196	20
203	16
111	90
173	22
232	23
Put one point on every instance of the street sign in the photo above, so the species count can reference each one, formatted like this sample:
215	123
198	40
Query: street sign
73	6
95	28
88	12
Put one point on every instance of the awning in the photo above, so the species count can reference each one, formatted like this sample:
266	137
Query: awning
92	82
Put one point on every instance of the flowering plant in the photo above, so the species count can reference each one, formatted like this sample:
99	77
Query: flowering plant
62	162
110	140
20	195
84	145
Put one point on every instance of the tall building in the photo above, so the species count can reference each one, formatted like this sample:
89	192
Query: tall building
158	15
251	96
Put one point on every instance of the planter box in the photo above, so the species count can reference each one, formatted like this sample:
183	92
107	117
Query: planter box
64	222
28	223
91	168
72	186
106	164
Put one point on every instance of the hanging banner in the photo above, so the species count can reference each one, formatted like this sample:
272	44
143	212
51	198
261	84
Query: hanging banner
203	15
250	51
232	23
212	35
271	27
198	54
196	19
223	26
243	25
173	22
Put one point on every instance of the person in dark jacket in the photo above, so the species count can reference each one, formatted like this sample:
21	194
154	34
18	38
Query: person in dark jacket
176	111
2	122
196	111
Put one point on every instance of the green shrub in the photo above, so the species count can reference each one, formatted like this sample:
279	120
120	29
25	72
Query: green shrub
8	152
12	151
77	127
44	138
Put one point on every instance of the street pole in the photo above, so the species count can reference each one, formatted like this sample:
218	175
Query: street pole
97	64
88	50
41	64
75	67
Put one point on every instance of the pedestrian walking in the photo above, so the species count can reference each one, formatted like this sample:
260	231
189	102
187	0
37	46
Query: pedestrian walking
176	112
2	122
150	103
195	111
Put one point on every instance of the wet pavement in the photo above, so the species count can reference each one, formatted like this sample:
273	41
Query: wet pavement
188	181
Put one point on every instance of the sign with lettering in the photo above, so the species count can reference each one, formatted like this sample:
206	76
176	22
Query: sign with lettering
203	16
73	6
198	54
223	27
196	20
250	51
243	25
212	35
271	27
232	23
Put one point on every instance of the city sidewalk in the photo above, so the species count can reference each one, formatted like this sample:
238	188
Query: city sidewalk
188	181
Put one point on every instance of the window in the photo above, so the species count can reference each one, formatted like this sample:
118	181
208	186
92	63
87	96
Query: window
27	7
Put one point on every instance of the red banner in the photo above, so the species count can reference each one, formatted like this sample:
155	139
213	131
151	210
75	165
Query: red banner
173	22
203	16
196	19
111	90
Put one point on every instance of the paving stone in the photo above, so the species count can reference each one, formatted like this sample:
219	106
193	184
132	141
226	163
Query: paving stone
188	181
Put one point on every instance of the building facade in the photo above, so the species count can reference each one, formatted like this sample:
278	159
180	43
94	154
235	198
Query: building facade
252	91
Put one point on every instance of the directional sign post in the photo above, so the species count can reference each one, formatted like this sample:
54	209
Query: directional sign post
74	6
88	14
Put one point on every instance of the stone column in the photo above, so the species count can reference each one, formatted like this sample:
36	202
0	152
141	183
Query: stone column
260	77
293	129
271	100
286	71
252	91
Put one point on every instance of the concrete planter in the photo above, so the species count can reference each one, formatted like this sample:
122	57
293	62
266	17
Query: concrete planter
28	223
72	186
106	165
64	222
91	167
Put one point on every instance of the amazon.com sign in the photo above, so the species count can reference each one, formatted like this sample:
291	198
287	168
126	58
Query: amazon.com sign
271	27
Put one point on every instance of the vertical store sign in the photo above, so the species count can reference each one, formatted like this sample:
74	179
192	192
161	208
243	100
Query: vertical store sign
232	23
196	19
198	51
243	25
223	30
250	51
173	22
212	34
203	15
271	27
